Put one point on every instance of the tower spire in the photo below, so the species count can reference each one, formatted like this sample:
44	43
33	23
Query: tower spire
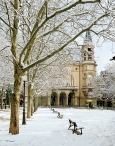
88	39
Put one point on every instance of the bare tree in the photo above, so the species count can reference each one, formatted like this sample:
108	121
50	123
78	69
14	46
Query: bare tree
81	15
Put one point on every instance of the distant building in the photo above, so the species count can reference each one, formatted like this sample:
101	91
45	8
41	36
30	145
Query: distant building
75	94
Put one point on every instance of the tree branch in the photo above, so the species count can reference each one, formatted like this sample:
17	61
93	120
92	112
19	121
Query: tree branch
6	23
62	47
38	20
8	17
48	18
54	29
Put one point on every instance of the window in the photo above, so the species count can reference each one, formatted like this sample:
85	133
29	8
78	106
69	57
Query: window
89	80
89	49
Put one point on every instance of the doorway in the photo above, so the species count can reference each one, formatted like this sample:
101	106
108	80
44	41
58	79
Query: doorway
62	98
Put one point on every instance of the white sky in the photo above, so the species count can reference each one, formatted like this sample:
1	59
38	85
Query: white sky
103	55
45	129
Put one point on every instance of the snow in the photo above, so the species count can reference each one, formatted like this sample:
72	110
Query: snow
45	129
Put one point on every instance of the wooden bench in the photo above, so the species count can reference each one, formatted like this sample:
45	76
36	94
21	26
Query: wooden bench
75	126
59	115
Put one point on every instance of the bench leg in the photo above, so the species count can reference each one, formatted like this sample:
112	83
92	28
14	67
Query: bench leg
81	130
74	129
70	126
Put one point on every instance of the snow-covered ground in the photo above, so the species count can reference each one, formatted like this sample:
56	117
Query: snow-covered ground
45	129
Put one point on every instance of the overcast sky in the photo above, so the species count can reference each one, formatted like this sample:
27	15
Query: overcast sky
103	55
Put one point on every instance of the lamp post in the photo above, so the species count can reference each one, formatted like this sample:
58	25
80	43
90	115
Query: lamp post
24	78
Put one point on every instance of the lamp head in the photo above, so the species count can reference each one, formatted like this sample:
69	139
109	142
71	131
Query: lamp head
24	78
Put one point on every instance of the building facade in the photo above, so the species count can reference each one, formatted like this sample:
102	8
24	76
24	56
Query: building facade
76	94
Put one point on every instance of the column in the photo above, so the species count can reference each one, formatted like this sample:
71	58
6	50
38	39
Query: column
57	99
49	99
66	100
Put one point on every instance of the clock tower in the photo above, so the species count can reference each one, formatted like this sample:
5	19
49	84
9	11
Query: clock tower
88	49
88	63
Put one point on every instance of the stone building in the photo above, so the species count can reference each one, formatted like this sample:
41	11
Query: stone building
82	71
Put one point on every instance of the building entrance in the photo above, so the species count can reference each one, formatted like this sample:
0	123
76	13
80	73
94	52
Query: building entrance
53	98
62	98
70	98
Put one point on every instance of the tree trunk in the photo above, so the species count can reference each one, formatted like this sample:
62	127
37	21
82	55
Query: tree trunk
9	97
29	107
1	98
29	102
29	110
35	103
1	102
14	117
32	108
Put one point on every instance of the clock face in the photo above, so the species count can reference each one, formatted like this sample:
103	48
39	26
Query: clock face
89	67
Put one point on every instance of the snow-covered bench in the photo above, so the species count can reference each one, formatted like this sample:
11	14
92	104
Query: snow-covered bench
54	111
59	115
75	126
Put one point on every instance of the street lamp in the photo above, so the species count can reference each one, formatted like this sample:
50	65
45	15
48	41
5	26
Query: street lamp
24	79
